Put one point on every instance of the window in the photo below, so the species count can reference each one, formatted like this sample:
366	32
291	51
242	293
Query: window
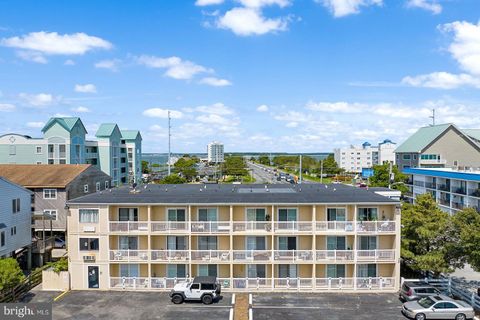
256	271
195	286
287	271
286	243
336	242
287	214
107	184
12	150
406	157
15	205
256	243
88	215
335	214
208	286
38	150
176	243
207	243
2	239
335	271
89	244
97	186
207	270
367	243
366	270
176	215
176	271
128	214
367	214
50	212
208	214
49	193
256	214
129	270
85	188
13	230
128	243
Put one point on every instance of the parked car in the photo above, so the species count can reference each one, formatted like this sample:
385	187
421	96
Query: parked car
414	290
205	289
60	243
438	307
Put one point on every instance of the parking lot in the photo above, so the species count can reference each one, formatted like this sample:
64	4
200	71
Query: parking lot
321	306
266	306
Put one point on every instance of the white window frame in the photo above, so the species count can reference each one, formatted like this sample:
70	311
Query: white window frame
50	211
297	212
97	186
50	194
2	232
98	215
255	208
85	188
36	150
176	208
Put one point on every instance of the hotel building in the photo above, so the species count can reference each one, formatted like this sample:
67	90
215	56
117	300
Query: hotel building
356	158
252	237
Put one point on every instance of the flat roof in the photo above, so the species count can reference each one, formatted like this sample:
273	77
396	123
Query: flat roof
234	194
445	173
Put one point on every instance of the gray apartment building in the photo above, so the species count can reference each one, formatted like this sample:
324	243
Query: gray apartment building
52	186
440	146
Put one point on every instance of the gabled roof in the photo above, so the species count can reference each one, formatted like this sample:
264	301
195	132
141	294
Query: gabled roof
472	133
42	175
130	134
67	122
106	129
15	184
422	138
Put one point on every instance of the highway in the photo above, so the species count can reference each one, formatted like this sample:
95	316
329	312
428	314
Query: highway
266	176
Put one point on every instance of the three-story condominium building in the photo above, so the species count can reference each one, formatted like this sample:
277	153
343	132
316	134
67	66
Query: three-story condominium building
252	237
116	152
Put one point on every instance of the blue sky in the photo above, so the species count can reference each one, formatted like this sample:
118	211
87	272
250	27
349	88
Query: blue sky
258	75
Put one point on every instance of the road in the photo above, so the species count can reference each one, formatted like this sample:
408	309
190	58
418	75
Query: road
266	176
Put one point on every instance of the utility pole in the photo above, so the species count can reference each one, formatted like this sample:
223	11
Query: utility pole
300	177
433	117
321	171
390	176
169	151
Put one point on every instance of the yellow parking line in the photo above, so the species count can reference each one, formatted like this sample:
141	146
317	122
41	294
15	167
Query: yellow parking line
60	295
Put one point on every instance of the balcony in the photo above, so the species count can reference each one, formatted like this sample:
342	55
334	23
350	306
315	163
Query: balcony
261	284
444	187
170	226
170	255
430	185
458	205
335	255
376	227
334	226
210	256
128	226
375	255
252	255
293	255
459	190
210	226
293	226
252	226
432	161
128	255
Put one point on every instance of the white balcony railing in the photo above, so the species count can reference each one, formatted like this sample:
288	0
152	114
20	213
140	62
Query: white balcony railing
375	283
169	226
376	226
375	255
335	255
165	283
128	255
170	255
210	226
293	255
252	226
334	283
129	283
293	226
334	226
128	226
210	255
252	255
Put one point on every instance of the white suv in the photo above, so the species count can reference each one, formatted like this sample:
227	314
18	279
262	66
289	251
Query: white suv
205	289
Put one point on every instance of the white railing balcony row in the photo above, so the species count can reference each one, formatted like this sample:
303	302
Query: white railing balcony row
252	256
262	284
220	227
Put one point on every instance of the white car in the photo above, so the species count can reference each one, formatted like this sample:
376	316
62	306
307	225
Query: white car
438	307
205	289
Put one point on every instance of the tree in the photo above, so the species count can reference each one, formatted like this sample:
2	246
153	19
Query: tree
426	241
186	166
235	166
173	179
466	234
145	168
381	177
264	159
330	166
10	273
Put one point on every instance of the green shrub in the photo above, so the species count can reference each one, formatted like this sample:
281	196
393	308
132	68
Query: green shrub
10	273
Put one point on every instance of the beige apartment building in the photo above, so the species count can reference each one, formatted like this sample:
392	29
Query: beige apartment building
309	237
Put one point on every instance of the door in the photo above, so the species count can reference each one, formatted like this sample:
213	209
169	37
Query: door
336	214
128	214
256	271
176	243
176	214
367	214
176	271
129	270
287	243
194	292
128	243
336	243
208	214
335	271
256	243
207	243
366	270
287	214
256	214
93	279
287	270
367	243
207	270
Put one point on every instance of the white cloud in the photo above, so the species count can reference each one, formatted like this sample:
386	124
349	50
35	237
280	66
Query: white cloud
80	109
216	82
69	62
35	124
85	88
216	108
442	80
162	113
343	107
175	67
341	8
250	21
52	43
112	65
429	5
202	3
39	100
262	108
263	3
32	56
465	47
292	124
7	107
212	119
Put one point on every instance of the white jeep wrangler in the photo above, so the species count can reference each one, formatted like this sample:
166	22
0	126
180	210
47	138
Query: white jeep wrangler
205	289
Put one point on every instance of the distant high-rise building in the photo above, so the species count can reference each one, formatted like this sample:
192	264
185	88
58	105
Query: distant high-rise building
215	152
116	152
356	158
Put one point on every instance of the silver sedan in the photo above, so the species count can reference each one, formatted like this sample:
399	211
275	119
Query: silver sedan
438	307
